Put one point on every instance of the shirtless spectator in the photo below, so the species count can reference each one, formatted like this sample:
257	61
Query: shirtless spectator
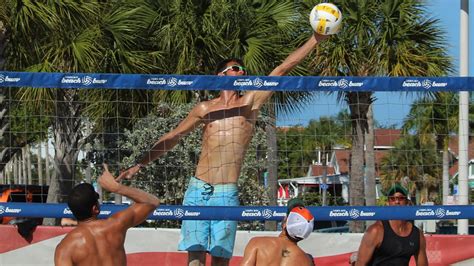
283	249
100	242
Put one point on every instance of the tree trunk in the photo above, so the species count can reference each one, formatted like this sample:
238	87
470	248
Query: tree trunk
46	163
272	165
370	161
3	41
24	173
445	175
67	143
7	173
358	104
29	167
10	173
424	194
16	174
370	182
62	179
40	165
89	174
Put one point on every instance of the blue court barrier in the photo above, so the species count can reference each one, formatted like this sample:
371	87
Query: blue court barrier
206	82
254	213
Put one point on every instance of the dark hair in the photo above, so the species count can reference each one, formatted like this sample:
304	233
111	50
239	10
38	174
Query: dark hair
222	64
81	200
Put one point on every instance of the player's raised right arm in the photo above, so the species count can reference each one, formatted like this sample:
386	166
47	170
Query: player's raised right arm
295	58
167	141
144	203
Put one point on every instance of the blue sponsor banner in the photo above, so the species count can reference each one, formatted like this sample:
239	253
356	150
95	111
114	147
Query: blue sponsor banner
194	82
53	210
254	213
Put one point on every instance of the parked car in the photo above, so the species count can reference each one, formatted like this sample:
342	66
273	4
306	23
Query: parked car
22	193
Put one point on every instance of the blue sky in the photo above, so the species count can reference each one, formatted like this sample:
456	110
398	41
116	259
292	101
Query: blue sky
391	108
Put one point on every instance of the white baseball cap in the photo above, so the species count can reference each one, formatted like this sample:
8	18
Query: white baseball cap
299	223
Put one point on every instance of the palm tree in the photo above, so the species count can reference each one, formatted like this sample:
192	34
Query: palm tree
414	158
325	134
436	117
75	37
9	144
294	155
195	36
382	38
111	36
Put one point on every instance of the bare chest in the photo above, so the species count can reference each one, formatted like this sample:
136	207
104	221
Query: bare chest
230	122
233	129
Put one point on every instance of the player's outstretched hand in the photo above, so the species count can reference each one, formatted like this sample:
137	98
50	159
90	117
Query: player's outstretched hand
320	37
107	180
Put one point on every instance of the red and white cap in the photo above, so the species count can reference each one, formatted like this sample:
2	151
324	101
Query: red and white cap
299	223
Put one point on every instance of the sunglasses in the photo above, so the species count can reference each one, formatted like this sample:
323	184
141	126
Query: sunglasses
397	198
235	68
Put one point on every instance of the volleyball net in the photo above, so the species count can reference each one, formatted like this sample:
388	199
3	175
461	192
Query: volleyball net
58	129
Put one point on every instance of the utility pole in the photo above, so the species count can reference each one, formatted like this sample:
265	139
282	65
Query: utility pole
463	197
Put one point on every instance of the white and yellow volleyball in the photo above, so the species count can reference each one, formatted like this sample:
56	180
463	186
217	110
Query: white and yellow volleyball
325	19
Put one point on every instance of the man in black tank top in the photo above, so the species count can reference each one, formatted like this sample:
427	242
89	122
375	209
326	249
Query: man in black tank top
393	242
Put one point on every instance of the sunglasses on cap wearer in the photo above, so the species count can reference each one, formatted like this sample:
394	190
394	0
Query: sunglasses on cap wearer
235	68
399	198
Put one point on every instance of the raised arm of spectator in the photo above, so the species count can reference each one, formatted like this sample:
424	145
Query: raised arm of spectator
144	203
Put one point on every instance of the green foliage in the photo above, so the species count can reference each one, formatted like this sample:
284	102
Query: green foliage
414	159
71	36
252	193
79	37
311	199
382	201
108	36
293	162
177	163
196	35
385	38
28	126
379	38
298	146
325	134
434	116
316	199
251	189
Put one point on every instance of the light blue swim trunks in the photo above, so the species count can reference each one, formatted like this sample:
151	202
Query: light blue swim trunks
215	237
